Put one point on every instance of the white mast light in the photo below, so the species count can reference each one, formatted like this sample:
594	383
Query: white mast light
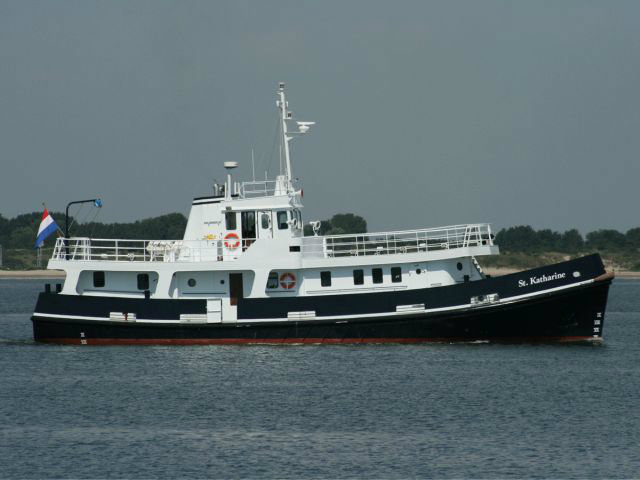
229	166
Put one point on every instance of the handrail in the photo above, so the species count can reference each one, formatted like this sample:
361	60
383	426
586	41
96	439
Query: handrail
398	242
119	250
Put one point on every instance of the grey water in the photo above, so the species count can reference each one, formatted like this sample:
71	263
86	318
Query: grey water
394	411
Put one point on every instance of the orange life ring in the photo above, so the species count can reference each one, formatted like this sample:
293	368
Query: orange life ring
287	280
232	245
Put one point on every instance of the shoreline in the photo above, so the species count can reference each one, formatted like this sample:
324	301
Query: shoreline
497	272
31	274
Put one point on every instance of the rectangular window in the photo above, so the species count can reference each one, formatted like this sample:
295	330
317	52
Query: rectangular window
282	220
396	274
98	279
377	275
230	220
325	279
358	277
143	281
272	281
265	221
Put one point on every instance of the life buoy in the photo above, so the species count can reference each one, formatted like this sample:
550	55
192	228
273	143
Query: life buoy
287	280
231	245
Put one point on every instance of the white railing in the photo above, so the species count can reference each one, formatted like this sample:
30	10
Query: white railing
262	188
99	249
396	243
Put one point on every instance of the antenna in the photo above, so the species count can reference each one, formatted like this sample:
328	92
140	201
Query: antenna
253	166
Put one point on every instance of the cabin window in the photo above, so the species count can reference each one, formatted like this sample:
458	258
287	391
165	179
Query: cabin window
325	279
230	220
358	277
396	274
282	220
264	221
98	279
377	275
298	216
459	266
143	281
191	282
272	281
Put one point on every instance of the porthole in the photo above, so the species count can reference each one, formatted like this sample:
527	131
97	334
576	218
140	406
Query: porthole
459	266
418	271
191	282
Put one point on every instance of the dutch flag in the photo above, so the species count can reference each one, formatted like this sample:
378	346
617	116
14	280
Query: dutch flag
47	227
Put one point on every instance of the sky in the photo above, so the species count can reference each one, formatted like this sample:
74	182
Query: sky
427	113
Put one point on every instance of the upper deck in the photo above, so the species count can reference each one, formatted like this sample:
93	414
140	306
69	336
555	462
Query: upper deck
450	239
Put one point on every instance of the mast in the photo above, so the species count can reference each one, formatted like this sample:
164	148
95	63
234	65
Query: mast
286	174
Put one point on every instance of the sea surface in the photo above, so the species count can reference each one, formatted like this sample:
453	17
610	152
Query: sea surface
392	411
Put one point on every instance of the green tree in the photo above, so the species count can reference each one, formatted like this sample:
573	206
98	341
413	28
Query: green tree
571	241
339	224
607	240
633	238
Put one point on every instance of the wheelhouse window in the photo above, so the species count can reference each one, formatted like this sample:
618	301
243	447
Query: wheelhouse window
396	274
265	221
376	273
230	220
358	277
98	279
272	281
282	220
325	279
143	281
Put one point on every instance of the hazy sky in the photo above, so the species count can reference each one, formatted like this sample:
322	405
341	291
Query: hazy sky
428	113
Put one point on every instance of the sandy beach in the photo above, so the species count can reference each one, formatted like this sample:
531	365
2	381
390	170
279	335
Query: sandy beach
24	274
496	272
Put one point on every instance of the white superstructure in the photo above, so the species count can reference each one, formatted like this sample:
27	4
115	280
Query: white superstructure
246	240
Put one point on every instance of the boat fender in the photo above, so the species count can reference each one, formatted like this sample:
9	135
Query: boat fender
287	280
234	243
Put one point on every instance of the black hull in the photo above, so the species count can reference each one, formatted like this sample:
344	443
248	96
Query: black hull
563	313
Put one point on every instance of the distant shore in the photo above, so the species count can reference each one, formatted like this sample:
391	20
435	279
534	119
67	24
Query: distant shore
494	272
26	274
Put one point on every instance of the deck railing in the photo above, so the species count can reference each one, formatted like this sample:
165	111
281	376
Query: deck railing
383	243
401	242
99	249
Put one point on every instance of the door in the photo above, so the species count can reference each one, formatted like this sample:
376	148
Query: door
235	288
214	310
264	222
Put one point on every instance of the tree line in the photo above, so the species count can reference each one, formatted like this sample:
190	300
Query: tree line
20	232
525	239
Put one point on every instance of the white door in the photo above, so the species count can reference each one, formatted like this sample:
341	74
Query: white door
214	310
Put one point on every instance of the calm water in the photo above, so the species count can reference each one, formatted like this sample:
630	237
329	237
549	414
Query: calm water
319	411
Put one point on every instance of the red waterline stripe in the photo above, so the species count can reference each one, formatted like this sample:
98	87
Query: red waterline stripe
279	341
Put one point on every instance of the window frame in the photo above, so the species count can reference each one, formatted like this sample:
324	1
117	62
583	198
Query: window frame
140	277
231	225
99	279
281	225
396	274
273	276
374	275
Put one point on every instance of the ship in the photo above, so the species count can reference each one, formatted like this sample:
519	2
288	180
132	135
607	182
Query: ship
246	273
